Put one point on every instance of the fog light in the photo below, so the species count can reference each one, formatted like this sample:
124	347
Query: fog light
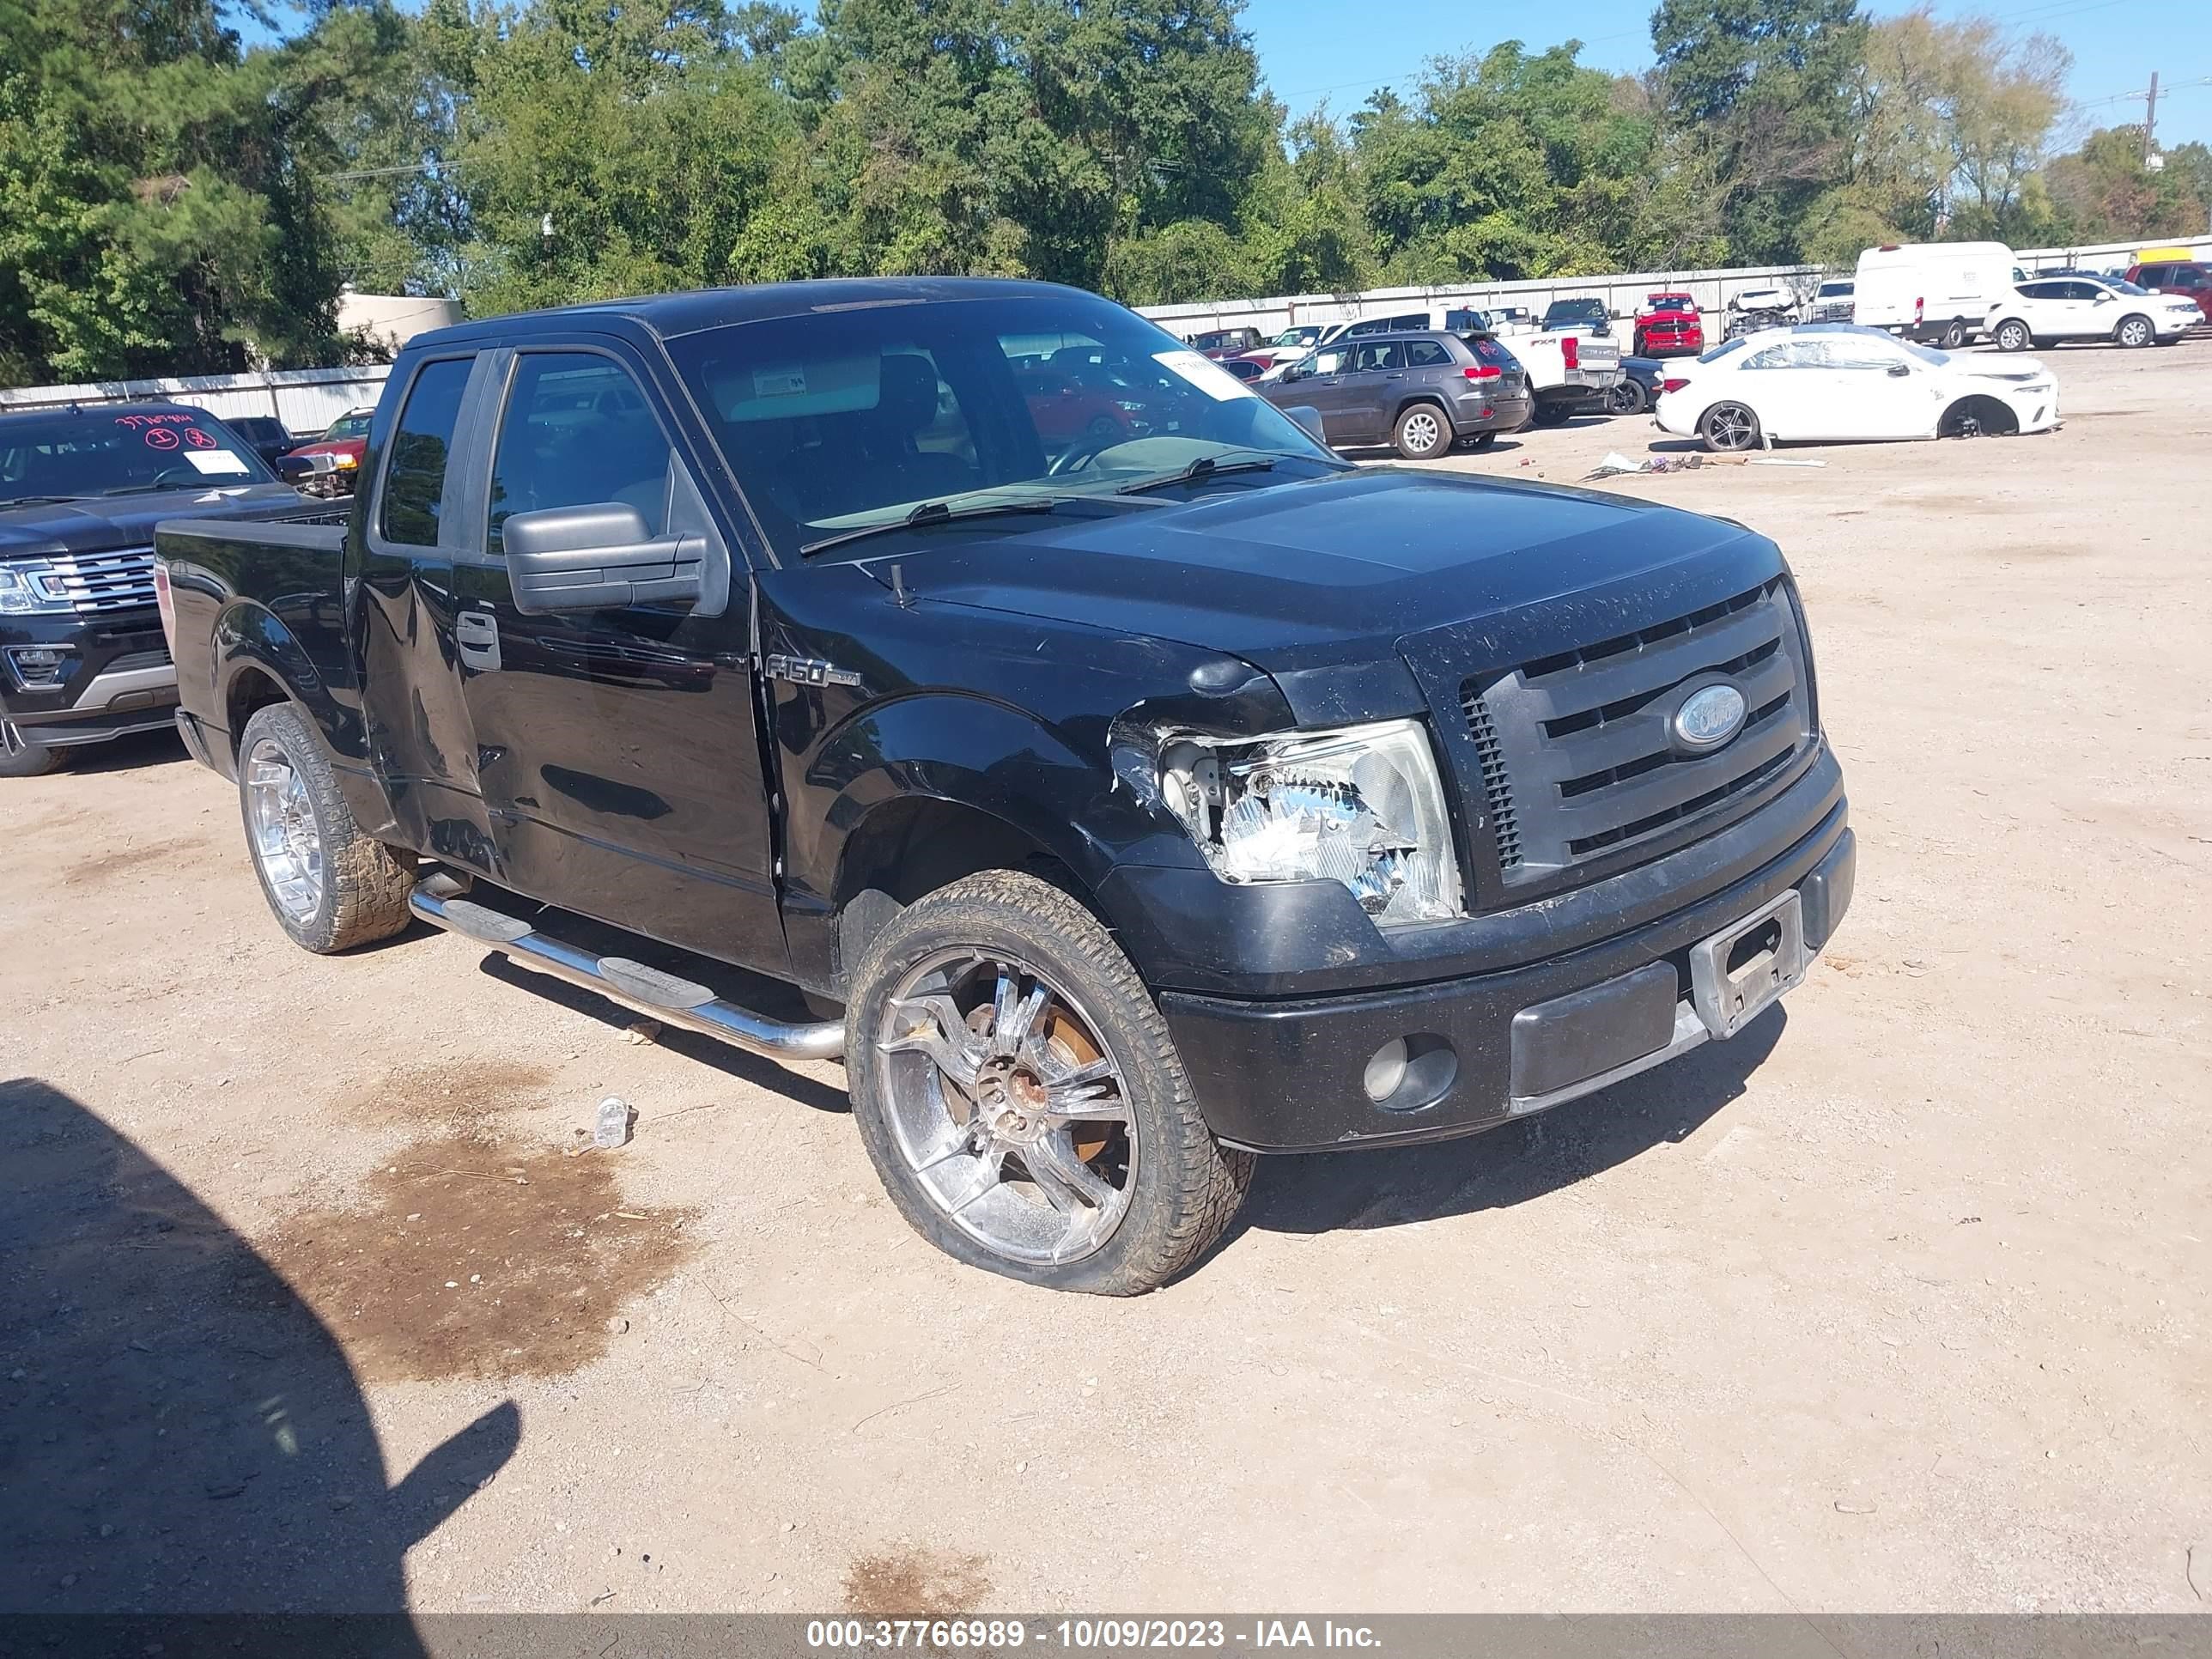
37	667
1386	1070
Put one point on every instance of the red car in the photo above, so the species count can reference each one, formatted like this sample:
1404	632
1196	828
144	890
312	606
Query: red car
1668	326
328	465
2189	279
1065	408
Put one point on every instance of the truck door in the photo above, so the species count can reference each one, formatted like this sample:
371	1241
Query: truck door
617	751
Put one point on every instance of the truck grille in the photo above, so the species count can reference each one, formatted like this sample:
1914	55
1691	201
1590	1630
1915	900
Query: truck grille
98	583
1577	754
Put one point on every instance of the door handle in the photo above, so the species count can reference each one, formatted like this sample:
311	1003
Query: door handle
475	638
1395	374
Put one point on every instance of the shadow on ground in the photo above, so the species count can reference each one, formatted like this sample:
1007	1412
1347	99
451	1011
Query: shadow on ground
179	1431
1513	1164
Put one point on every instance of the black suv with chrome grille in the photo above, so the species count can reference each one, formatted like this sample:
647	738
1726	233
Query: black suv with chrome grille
1118	800
81	655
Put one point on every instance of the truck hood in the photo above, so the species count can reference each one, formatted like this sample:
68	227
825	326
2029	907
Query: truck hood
104	524
1334	582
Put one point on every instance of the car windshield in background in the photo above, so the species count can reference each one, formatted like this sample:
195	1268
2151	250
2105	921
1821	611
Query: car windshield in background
100	453
835	422
1569	312
355	425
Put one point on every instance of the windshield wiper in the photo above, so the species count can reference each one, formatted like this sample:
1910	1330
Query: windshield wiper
1204	467
36	501
927	513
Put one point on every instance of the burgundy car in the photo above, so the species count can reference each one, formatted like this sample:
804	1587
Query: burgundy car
328	465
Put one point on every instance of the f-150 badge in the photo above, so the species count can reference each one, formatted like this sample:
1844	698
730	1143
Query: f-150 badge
808	671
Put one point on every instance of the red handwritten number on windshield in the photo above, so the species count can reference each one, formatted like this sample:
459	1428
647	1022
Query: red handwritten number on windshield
161	437
197	439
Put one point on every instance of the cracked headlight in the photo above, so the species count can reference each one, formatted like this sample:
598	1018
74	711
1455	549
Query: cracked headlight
1361	805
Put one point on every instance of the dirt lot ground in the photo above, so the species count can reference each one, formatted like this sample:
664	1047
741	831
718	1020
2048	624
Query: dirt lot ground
1898	1302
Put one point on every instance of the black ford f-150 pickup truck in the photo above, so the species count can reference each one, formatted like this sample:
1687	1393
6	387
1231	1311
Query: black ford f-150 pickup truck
81	655
1123	804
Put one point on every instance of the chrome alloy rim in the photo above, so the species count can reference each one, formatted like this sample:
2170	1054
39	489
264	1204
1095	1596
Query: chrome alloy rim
287	842
1421	430
1007	1108
1731	426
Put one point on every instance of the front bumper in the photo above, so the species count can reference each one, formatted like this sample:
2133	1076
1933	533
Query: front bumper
115	678
1290	1075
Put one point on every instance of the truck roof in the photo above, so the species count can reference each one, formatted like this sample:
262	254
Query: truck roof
672	315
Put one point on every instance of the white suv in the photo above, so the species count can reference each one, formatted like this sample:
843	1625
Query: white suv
2053	308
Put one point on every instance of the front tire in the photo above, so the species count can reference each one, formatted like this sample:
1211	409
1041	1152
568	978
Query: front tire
1022	1099
20	757
1729	428
330	886
2135	333
1422	433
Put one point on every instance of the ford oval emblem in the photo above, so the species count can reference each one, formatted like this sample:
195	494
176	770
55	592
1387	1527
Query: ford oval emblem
1709	717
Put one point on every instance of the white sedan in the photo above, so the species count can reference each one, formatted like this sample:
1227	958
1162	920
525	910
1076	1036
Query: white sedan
2053	308
1836	381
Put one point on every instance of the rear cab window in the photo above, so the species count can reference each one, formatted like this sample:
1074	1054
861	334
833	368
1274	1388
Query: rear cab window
420	444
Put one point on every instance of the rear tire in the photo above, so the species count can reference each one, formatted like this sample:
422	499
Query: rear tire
1954	335
1626	397
1178	1189
1423	432
2012	335
21	758
1729	428
2135	333
1553	412
1483	441
329	885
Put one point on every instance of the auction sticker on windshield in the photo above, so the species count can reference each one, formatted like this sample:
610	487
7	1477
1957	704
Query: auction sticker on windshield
1208	376
215	461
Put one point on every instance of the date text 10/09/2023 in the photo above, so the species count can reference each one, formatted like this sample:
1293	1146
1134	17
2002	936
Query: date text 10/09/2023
1085	1635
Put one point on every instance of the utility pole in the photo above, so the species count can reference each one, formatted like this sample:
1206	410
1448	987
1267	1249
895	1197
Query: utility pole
2150	121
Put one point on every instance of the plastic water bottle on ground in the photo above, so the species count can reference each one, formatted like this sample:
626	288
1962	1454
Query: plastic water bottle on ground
612	1128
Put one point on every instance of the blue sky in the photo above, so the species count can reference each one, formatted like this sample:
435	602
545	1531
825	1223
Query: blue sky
1312	49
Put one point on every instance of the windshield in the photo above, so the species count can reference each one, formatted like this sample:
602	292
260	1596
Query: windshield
1927	355
835	420
1834	291
2120	285
96	452
355	425
1714	354
1296	337
1575	311
1670	302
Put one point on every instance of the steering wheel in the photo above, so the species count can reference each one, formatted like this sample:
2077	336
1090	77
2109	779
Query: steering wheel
1084	450
183	474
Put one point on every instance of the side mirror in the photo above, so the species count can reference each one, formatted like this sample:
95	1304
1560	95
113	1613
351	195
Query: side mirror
1309	419
1898	371
2106	296
598	557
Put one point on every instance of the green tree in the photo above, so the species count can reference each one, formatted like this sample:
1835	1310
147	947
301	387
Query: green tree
1768	80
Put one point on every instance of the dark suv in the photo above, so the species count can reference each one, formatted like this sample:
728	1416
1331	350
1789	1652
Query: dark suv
81	655
1421	392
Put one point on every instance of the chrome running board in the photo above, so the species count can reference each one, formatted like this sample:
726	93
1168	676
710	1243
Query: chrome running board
645	990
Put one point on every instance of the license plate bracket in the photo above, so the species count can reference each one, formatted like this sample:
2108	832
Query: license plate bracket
1739	970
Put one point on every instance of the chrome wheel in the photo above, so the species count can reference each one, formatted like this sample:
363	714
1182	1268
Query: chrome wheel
1731	426
1006	1106
288	841
2011	337
2135	333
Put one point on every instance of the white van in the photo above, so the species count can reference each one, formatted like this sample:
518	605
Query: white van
1933	291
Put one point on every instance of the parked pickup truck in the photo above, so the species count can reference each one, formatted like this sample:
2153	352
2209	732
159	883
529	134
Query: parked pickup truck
1121	807
81	656
1573	362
